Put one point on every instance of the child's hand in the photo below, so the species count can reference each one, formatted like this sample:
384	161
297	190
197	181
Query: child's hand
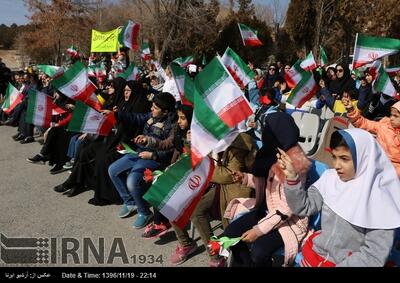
141	139
237	177
105	112
146	155
250	236
347	104
286	164
252	124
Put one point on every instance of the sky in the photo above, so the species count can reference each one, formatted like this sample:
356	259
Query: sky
14	11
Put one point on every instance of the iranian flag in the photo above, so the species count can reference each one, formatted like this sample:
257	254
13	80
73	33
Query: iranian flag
129	35
12	98
303	91
237	68
249	36
75	84
370	48
87	120
219	106
392	71
383	83
323	61
184	61
309	63
40	109
73	52
294	75
51	71
146	54
184	84
131	73
98	71
176	193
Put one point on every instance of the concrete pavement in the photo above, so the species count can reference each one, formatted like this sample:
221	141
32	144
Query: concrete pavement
30	208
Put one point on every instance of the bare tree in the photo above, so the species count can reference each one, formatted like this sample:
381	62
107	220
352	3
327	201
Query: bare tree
265	14
278	14
57	24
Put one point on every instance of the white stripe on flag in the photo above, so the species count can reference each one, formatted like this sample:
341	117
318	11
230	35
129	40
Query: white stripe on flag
182	194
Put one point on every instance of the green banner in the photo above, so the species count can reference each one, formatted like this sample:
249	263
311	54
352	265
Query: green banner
104	41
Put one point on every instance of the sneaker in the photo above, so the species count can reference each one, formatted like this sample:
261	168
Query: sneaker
61	188
126	210
16	137
27	140
38	158
154	230
182	253
68	165
58	168
142	220
217	262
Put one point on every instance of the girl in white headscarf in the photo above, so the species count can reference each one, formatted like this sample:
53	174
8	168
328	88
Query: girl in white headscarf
359	200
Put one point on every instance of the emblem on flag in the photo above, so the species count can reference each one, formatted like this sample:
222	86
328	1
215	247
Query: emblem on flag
194	182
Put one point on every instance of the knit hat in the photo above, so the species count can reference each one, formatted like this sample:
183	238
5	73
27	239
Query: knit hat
165	101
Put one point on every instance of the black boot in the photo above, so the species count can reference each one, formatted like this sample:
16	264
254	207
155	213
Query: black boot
61	188
75	191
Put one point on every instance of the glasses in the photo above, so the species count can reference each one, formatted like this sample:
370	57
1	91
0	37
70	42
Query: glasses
339	70
272	69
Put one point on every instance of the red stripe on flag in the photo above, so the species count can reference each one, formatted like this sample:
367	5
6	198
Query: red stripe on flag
135	34
195	156
107	125
236	77
235	112
85	93
17	101
290	82
252	42
184	218
49	111
184	101
358	64
308	97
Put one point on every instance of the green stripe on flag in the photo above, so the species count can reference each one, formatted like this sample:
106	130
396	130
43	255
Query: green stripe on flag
78	117
382	81
31	109
7	99
304	80
167	184
69	75
212	76
378	43
207	81
121	35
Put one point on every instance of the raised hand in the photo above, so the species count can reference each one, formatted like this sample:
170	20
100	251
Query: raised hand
286	164
347	103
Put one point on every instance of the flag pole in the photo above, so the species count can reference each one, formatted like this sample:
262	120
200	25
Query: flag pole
241	35
354	51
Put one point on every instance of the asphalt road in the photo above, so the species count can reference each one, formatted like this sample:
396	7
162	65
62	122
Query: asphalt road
29	208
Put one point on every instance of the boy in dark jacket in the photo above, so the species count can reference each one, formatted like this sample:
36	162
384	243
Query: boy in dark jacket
127	172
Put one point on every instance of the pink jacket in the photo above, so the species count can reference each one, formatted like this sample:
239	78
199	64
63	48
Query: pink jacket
294	229
387	136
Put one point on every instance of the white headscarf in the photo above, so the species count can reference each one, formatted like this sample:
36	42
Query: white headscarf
372	199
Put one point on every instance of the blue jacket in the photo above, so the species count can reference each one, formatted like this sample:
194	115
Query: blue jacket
158	128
